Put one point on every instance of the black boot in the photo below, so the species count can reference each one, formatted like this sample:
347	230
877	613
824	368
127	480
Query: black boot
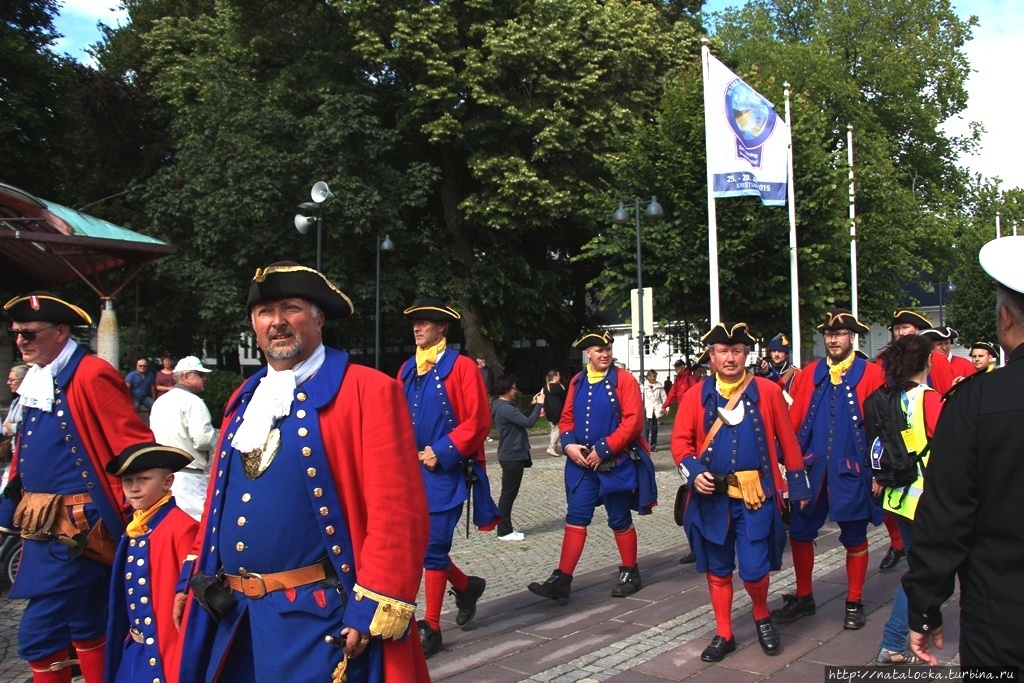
854	619
466	600
555	588
629	582
794	608
768	635
718	649
892	558
688	558
430	639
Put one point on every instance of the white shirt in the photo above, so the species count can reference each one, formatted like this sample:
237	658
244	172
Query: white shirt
654	398
180	419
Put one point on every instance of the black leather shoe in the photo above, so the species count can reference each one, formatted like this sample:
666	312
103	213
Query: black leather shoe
466	600
854	619
718	649
891	559
629	582
794	608
555	588
687	559
430	639
768	636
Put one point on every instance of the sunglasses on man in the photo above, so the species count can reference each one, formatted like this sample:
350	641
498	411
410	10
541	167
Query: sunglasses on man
27	335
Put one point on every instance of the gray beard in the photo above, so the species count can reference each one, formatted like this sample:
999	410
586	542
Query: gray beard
285	354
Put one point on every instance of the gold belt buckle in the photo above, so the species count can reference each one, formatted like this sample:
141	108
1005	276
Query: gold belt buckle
254	582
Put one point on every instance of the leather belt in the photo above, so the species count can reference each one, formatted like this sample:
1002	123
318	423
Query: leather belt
255	585
76	499
733	482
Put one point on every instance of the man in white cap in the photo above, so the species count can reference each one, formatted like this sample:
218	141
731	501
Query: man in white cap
179	418
966	522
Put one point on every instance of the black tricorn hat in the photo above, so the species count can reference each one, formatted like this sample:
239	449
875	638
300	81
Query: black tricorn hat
288	279
148	456
780	342
728	333
593	339
842	319
47	308
911	318
988	346
703	359
432	309
937	333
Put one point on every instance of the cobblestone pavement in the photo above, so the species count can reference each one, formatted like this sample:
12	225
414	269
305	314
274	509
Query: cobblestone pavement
653	636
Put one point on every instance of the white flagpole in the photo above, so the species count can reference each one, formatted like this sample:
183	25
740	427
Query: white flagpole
712	218
794	285
853	228
998	235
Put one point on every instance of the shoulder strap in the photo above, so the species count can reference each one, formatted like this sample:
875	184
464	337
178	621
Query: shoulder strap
728	406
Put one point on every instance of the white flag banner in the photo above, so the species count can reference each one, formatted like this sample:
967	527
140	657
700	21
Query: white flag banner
748	143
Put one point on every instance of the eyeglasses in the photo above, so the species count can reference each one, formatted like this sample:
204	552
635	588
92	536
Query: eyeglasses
27	335
836	335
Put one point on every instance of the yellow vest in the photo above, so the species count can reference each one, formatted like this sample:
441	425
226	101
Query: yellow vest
893	499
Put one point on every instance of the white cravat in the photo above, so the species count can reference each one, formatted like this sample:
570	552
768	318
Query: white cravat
272	400
37	388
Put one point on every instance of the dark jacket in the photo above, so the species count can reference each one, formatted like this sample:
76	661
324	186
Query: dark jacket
968	522
513	441
554	402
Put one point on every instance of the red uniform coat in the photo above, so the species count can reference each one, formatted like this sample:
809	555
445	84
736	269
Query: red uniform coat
688	432
803	389
681	383
961	366
368	443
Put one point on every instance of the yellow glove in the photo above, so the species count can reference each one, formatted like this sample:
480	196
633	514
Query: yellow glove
750	487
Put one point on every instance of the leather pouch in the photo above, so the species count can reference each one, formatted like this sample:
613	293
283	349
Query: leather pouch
209	591
37	514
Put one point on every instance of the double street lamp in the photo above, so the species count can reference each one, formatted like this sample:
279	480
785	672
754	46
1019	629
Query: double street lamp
621	217
313	212
940	287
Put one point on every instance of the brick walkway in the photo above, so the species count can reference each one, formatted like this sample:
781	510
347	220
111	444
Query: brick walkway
655	635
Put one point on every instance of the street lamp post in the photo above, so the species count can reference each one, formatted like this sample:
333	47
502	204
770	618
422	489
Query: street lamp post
383	244
940	286
621	217
313	212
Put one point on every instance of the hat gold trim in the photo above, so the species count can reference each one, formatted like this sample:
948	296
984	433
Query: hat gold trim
18	299
262	273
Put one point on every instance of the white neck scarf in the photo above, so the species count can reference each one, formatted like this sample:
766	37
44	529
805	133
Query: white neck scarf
37	388
272	400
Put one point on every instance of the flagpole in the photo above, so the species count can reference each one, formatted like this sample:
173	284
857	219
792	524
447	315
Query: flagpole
715	315
794	285
998	235
853	225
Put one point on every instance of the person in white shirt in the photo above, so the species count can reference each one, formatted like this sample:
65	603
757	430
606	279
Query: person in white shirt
180	418
654	398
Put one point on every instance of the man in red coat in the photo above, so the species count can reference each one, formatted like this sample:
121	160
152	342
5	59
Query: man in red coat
77	416
683	381
309	551
942	339
607	463
730	435
828	416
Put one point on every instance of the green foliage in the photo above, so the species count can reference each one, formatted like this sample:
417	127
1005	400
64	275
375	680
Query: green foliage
220	385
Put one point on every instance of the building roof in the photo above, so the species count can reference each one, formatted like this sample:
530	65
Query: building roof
46	244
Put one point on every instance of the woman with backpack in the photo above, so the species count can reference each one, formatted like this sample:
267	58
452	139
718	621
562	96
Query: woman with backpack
913	410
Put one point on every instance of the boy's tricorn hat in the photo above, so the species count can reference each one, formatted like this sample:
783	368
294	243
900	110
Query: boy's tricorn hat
148	456
432	309
728	333
988	346
908	317
45	307
842	319
593	339
288	279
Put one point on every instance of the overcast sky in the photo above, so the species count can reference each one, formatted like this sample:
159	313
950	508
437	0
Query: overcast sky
992	54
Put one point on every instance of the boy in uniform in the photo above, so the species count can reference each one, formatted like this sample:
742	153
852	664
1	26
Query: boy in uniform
141	637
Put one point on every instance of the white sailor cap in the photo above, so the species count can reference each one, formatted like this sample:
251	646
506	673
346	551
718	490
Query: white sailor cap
1001	259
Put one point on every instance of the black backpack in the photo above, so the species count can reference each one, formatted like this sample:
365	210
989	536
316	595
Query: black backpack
884	420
